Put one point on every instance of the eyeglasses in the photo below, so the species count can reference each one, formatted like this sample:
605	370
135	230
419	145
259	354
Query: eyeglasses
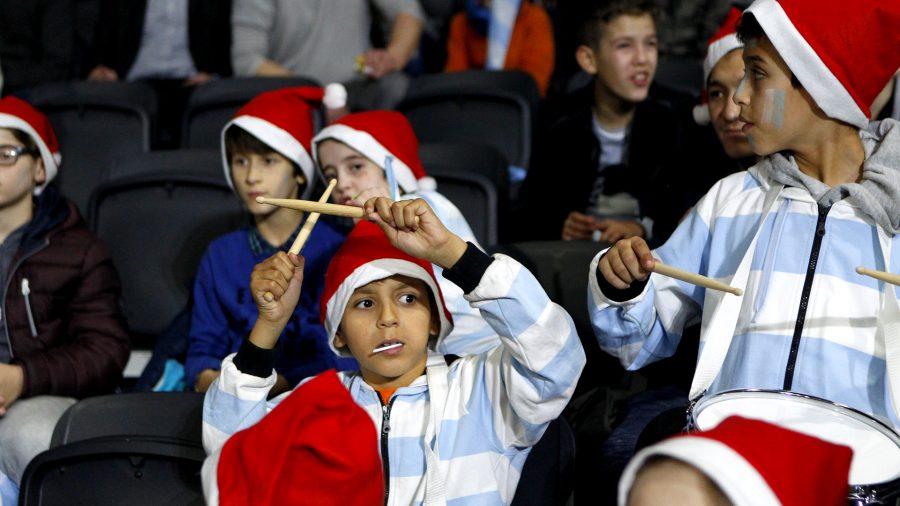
9	155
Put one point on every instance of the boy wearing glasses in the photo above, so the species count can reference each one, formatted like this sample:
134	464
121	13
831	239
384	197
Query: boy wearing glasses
62	336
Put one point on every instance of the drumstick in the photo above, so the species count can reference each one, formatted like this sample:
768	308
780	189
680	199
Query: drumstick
311	206
311	221
693	278
887	277
303	235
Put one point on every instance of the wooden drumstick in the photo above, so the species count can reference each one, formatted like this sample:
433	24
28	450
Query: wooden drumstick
311	206
693	278
306	230
311	220
887	277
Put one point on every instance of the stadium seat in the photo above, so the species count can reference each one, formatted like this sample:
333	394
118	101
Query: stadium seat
95	123
213	104
134	449
497	108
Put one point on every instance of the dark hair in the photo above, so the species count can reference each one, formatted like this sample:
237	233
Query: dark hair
597	13
238	140
30	145
749	30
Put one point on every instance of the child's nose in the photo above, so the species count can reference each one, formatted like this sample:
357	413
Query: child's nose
387	317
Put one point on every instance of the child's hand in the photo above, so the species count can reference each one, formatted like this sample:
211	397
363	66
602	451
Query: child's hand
579	227
275	286
412	227
613	230
360	199
629	260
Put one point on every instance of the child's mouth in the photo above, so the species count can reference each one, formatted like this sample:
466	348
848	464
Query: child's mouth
389	347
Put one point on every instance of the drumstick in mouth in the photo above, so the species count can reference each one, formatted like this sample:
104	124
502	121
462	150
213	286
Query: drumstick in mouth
887	277
693	278
306	230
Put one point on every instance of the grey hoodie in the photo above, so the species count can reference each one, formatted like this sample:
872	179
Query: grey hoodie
877	195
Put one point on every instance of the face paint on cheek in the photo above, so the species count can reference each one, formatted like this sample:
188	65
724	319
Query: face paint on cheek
742	85
773	108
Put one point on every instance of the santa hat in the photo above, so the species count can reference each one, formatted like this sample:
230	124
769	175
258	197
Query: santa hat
843	53
721	43
316	447
18	114
367	256
755	462
283	120
377	135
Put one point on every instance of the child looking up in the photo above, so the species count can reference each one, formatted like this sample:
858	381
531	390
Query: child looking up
353	151
458	432
264	153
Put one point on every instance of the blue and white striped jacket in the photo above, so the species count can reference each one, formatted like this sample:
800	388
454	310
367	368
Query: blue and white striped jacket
839	356
498	406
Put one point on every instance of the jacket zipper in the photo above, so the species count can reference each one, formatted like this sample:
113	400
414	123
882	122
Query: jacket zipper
804	297
12	272
385	432
26	291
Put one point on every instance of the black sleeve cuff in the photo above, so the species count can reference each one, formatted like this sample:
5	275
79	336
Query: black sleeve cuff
618	294
469	269
255	361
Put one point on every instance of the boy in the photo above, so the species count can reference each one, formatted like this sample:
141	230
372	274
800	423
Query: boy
62	335
789	231
264	153
465	429
740	462
353	151
591	167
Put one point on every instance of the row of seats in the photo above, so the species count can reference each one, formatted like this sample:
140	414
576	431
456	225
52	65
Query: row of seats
98	123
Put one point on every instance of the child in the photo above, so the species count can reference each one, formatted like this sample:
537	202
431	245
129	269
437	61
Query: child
353	151
264	153
62	336
502	35
790	231
741	462
588	179
465	429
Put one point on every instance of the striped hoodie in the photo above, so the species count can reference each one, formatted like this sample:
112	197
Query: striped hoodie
807	321
499	402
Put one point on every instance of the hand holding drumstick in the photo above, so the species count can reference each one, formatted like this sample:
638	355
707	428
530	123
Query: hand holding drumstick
630	260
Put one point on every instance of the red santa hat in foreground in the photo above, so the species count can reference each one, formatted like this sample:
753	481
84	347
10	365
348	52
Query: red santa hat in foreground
283	120
721	43
377	135
755	462
843	53
367	256
18	114
316	447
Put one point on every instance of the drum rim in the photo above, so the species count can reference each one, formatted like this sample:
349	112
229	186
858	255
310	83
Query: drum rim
889	431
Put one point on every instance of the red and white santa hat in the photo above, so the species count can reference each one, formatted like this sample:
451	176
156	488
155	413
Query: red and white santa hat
724	41
368	256
18	114
316	447
843	53
755	462
377	135
283	120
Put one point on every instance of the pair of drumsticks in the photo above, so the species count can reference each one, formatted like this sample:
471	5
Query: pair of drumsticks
321	207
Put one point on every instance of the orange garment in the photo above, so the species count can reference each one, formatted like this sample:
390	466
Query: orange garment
531	45
386	394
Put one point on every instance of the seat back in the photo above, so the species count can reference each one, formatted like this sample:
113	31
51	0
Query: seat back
157	226
137	449
476	197
213	104
497	108
95	122
548	474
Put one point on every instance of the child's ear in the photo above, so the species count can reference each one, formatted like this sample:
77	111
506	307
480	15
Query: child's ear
40	172
301	179
586	59
339	339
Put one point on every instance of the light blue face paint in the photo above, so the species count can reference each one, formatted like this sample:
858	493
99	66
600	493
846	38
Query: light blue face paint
742	85
773	108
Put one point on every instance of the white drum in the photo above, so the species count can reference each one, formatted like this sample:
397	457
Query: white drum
875	468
